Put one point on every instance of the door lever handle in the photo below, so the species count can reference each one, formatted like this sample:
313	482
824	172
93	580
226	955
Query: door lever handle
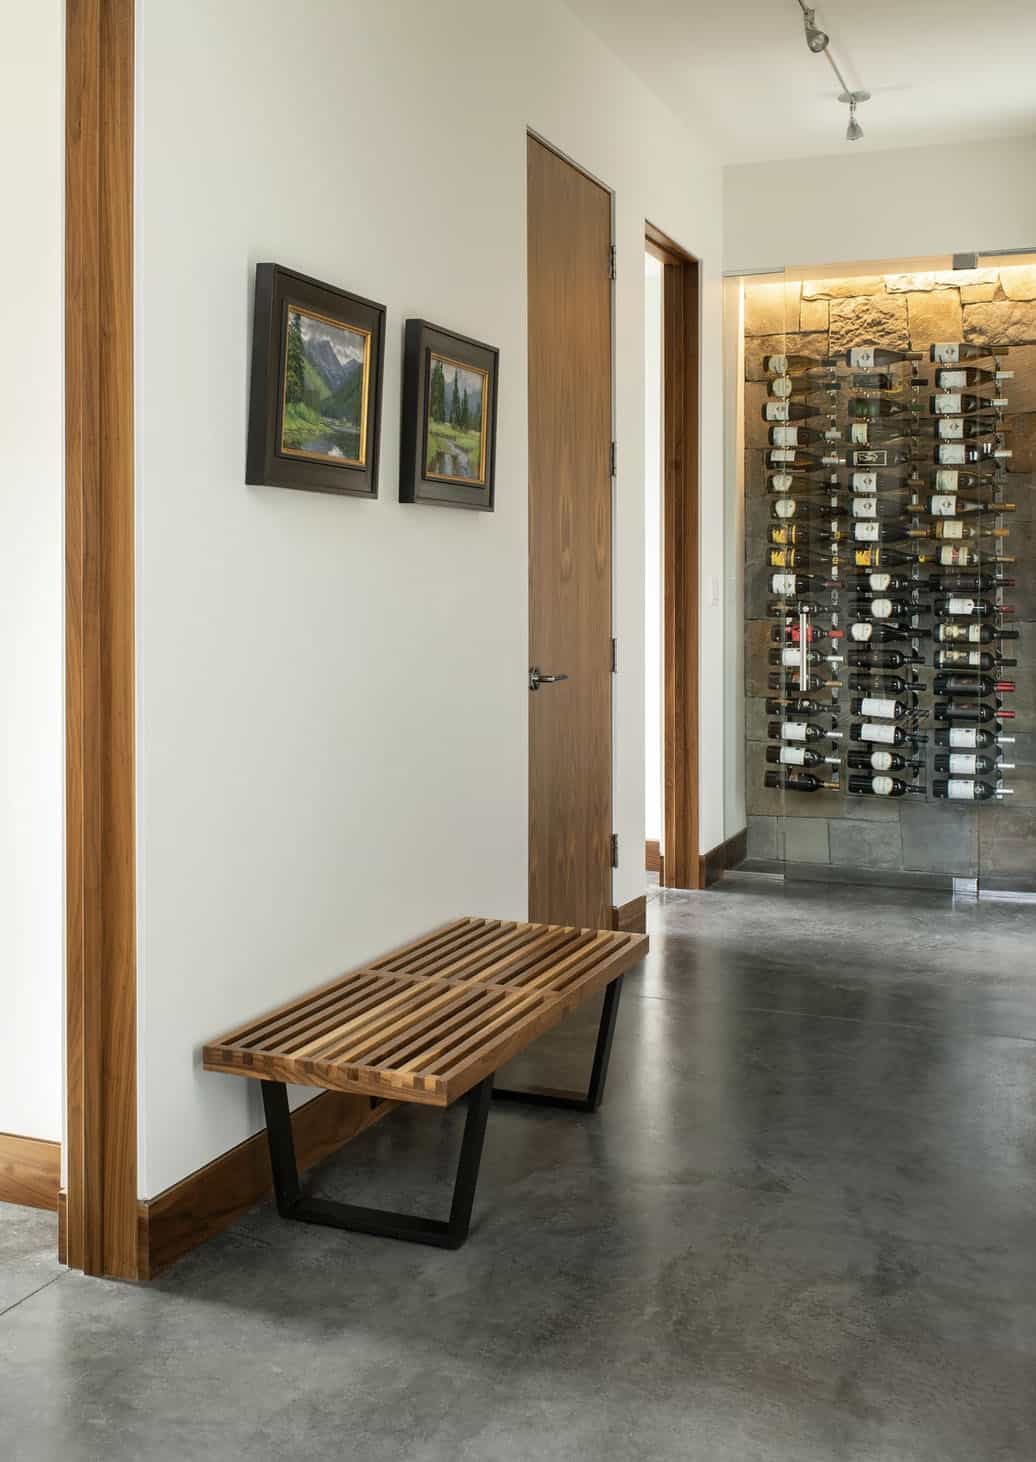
536	679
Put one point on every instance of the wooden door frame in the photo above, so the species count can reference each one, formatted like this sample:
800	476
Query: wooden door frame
99	1208
681	574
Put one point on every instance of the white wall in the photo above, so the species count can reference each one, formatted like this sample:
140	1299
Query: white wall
653	649
332	700
31	575
880	205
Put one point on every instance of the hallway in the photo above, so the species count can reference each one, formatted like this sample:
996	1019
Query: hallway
801	1229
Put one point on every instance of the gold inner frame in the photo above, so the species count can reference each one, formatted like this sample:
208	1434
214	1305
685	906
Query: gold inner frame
463	365
361	460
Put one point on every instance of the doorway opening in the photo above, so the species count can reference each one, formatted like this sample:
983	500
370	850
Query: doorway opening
672	342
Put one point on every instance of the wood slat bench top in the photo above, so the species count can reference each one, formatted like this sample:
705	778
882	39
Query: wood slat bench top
429	1020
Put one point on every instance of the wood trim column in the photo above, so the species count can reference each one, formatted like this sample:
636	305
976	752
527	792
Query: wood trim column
680	554
99	602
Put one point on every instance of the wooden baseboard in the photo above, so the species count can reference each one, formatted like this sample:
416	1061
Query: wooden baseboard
631	918
717	860
30	1171
211	1199
654	858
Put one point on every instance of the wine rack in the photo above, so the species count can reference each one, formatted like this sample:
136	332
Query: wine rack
888	573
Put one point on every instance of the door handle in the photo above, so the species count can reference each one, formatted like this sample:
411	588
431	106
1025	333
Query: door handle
536	679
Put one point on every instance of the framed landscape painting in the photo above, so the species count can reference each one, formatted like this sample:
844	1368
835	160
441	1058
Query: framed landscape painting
317	356
448	446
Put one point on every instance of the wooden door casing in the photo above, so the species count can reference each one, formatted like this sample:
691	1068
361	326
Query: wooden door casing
570	542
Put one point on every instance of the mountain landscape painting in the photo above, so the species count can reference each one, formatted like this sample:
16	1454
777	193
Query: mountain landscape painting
455	448
326	373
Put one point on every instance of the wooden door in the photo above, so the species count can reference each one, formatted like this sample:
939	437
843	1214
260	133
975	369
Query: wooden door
570	552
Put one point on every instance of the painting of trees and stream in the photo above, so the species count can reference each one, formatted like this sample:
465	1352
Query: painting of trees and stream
456	444
326	373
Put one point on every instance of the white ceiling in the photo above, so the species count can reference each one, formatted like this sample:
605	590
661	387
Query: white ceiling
938	70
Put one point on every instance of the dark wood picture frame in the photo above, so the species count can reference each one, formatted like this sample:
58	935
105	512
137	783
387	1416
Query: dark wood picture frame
270	462
425	343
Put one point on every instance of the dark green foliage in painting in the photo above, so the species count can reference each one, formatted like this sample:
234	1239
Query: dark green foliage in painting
437	393
295	368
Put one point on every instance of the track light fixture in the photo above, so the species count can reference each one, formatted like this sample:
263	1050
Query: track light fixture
816	39
819	42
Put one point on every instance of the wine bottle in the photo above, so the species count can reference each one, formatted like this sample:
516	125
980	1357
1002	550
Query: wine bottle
874	457
787	365
970	660
873	408
798	782
960	604
812	682
951	353
880	381
963	428
887	685
872	531
789	459
881	786
886	433
952	479
866	357
960	683
882	708
952	555
966	583
796	558
791	535
799	756
870	483
884	733
963	403
791	634
798	583
882	659
949	632
953	528
970	738
787	411
788	507
880	608
802	705
950	379
787	434
785	608
880	761
970	712
863	631
949	505
966	790
971	764
791	657
800	731
957	454
886	584
784	387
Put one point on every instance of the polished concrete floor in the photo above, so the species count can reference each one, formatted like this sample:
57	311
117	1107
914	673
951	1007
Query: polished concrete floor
803	1228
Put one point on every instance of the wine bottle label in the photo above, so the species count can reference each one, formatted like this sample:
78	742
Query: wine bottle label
946	354
784	583
952	454
785	508
875	732
793	730
786	454
975	633
778	364
865	482
873	457
879	582
785	436
963	764
950	556
858	433
781	388
951	428
873	706
861	357
881	608
882	786
862	631
782	534
865	507
960	791
960	606
943	504
792	657
948	405
974	657
782	482
881	761
964	736
946	479
864	557
778	411
952	528
866	532
953	380
793	756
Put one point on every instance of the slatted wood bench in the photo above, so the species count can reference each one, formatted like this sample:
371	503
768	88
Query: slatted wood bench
429	1023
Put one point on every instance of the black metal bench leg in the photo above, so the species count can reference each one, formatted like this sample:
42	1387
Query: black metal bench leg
574	1101
292	1203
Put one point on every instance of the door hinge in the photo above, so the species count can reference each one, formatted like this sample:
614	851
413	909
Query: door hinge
611	261
611	461
615	850
615	655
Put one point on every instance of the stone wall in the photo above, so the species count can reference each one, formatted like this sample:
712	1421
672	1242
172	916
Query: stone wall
995	841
